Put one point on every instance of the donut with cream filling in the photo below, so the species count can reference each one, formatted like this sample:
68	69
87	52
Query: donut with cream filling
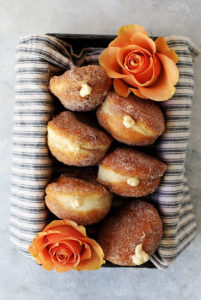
81	89
131	120
82	201
130	173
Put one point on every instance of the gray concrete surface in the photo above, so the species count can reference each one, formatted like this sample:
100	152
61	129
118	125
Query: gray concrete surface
20	278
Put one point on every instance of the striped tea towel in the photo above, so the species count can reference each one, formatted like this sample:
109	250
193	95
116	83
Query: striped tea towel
38	58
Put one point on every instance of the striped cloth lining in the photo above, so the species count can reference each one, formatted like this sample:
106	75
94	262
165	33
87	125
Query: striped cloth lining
38	58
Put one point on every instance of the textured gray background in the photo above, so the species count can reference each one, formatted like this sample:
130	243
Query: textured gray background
20	278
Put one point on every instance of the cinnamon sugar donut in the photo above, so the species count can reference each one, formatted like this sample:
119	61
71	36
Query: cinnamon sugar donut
130	234
82	201
131	120
81	89
74	139
130	173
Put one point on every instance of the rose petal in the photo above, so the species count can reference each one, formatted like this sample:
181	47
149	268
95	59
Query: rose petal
32	251
144	42
76	249
130	81
86	252
64	254
121	53
56	237
125	33
137	93
45	258
72	247
163	88
162	47
170	69
37	243
145	78
124	90
120	87
66	227
94	263
133	28
71	231
151	74
60	268
141	66
107	60
147	74
97	255
131	77
55	250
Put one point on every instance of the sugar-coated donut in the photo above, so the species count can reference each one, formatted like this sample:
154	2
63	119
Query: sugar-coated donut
130	173
82	201
81	89
131	120
130	234
74	140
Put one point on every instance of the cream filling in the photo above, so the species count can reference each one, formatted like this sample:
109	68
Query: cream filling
143	236
85	90
133	181
83	202
105	174
141	129
76	202
62	143
65	144
131	124
128	121
140	256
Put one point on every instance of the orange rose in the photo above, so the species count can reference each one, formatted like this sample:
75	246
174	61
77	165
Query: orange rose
140	65
63	245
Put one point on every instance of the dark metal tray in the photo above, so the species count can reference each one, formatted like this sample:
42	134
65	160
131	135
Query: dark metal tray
78	42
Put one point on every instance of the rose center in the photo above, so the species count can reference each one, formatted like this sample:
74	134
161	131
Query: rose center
133	61
60	253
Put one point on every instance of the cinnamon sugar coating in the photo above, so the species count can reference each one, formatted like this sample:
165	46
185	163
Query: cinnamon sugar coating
147	119
67	87
136	223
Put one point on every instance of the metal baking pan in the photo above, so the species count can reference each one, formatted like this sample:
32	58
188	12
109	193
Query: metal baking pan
78	42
